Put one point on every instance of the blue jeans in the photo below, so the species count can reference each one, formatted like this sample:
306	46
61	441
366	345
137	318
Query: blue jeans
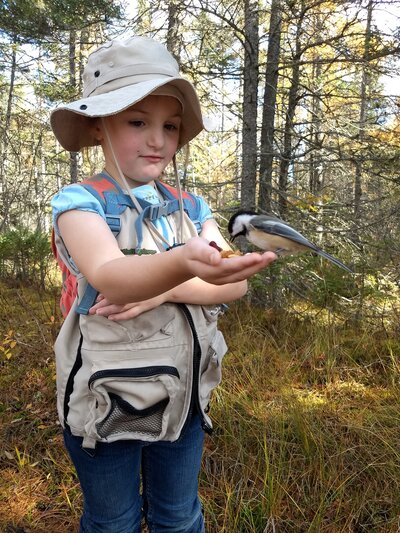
111	478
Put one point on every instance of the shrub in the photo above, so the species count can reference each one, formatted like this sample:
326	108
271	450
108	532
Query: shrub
25	256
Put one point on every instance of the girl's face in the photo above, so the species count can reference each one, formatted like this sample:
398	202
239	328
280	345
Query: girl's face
144	138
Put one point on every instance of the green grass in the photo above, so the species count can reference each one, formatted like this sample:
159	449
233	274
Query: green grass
306	424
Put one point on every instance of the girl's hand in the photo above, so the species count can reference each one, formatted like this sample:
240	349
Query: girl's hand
104	307
205	262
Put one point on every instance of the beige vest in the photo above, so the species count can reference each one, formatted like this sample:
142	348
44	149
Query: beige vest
140	378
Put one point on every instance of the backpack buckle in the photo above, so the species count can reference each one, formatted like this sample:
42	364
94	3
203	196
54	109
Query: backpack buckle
159	210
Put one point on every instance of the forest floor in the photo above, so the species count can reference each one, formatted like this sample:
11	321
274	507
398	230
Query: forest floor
306	424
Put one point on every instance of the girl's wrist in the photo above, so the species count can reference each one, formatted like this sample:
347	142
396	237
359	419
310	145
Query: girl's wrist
185	257
164	297
197	249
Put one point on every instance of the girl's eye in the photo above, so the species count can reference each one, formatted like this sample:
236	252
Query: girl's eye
171	127
136	123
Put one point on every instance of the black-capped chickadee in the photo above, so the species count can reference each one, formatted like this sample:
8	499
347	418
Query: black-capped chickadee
272	234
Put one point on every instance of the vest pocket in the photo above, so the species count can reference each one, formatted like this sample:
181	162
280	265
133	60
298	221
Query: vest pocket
152	328
131	403
211	372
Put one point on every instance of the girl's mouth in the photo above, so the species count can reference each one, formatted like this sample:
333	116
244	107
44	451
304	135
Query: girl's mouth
152	158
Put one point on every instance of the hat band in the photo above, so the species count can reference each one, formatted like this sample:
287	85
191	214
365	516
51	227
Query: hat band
118	78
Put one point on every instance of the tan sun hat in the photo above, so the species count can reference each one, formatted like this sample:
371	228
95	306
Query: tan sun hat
117	75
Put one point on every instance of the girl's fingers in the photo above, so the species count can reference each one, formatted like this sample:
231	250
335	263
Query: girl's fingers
109	309
124	315
235	268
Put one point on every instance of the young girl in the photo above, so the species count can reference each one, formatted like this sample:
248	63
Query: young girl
135	368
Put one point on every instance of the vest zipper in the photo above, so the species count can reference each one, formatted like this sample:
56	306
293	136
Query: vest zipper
133	372
194	400
70	382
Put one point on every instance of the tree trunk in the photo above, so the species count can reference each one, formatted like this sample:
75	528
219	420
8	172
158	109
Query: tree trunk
250	91
4	143
315	167
73	158
315	163
82	59
268	118
174	47
173	30
287	153
358	187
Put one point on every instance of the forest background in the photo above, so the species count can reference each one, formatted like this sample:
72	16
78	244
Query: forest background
302	106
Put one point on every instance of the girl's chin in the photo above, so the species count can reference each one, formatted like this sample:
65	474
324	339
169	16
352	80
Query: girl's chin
136	182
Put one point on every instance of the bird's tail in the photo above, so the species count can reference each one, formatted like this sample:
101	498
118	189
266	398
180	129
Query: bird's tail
334	260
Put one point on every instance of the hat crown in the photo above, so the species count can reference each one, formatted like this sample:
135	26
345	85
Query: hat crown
119	63
117	75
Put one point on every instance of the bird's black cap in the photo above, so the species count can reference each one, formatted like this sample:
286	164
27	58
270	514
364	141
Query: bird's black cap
235	215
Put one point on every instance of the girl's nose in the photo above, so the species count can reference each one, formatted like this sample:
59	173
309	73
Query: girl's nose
156	137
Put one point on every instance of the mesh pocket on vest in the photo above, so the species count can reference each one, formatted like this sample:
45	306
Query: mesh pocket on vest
131	403
123	417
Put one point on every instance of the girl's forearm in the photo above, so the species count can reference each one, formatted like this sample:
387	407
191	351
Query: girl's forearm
198	292
139	277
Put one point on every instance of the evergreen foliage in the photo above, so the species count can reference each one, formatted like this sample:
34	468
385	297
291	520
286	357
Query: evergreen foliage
25	256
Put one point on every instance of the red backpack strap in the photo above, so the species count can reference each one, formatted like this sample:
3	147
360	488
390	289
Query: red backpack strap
173	193
69	286
99	184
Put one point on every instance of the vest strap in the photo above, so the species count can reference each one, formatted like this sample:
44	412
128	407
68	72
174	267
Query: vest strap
87	300
114	223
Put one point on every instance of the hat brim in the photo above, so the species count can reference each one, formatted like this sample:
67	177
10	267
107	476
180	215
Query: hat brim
71	123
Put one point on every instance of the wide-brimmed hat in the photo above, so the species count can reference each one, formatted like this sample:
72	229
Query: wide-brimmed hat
117	75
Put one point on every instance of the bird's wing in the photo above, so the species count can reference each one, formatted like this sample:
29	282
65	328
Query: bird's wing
274	226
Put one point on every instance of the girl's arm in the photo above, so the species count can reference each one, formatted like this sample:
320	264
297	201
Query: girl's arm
193	291
122	279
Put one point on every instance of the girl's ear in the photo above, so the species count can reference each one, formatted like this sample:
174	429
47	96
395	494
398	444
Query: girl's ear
97	130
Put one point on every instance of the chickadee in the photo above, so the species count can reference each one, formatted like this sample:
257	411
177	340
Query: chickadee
272	234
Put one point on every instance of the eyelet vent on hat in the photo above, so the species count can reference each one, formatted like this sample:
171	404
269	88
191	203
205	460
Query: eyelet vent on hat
83	106
97	74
